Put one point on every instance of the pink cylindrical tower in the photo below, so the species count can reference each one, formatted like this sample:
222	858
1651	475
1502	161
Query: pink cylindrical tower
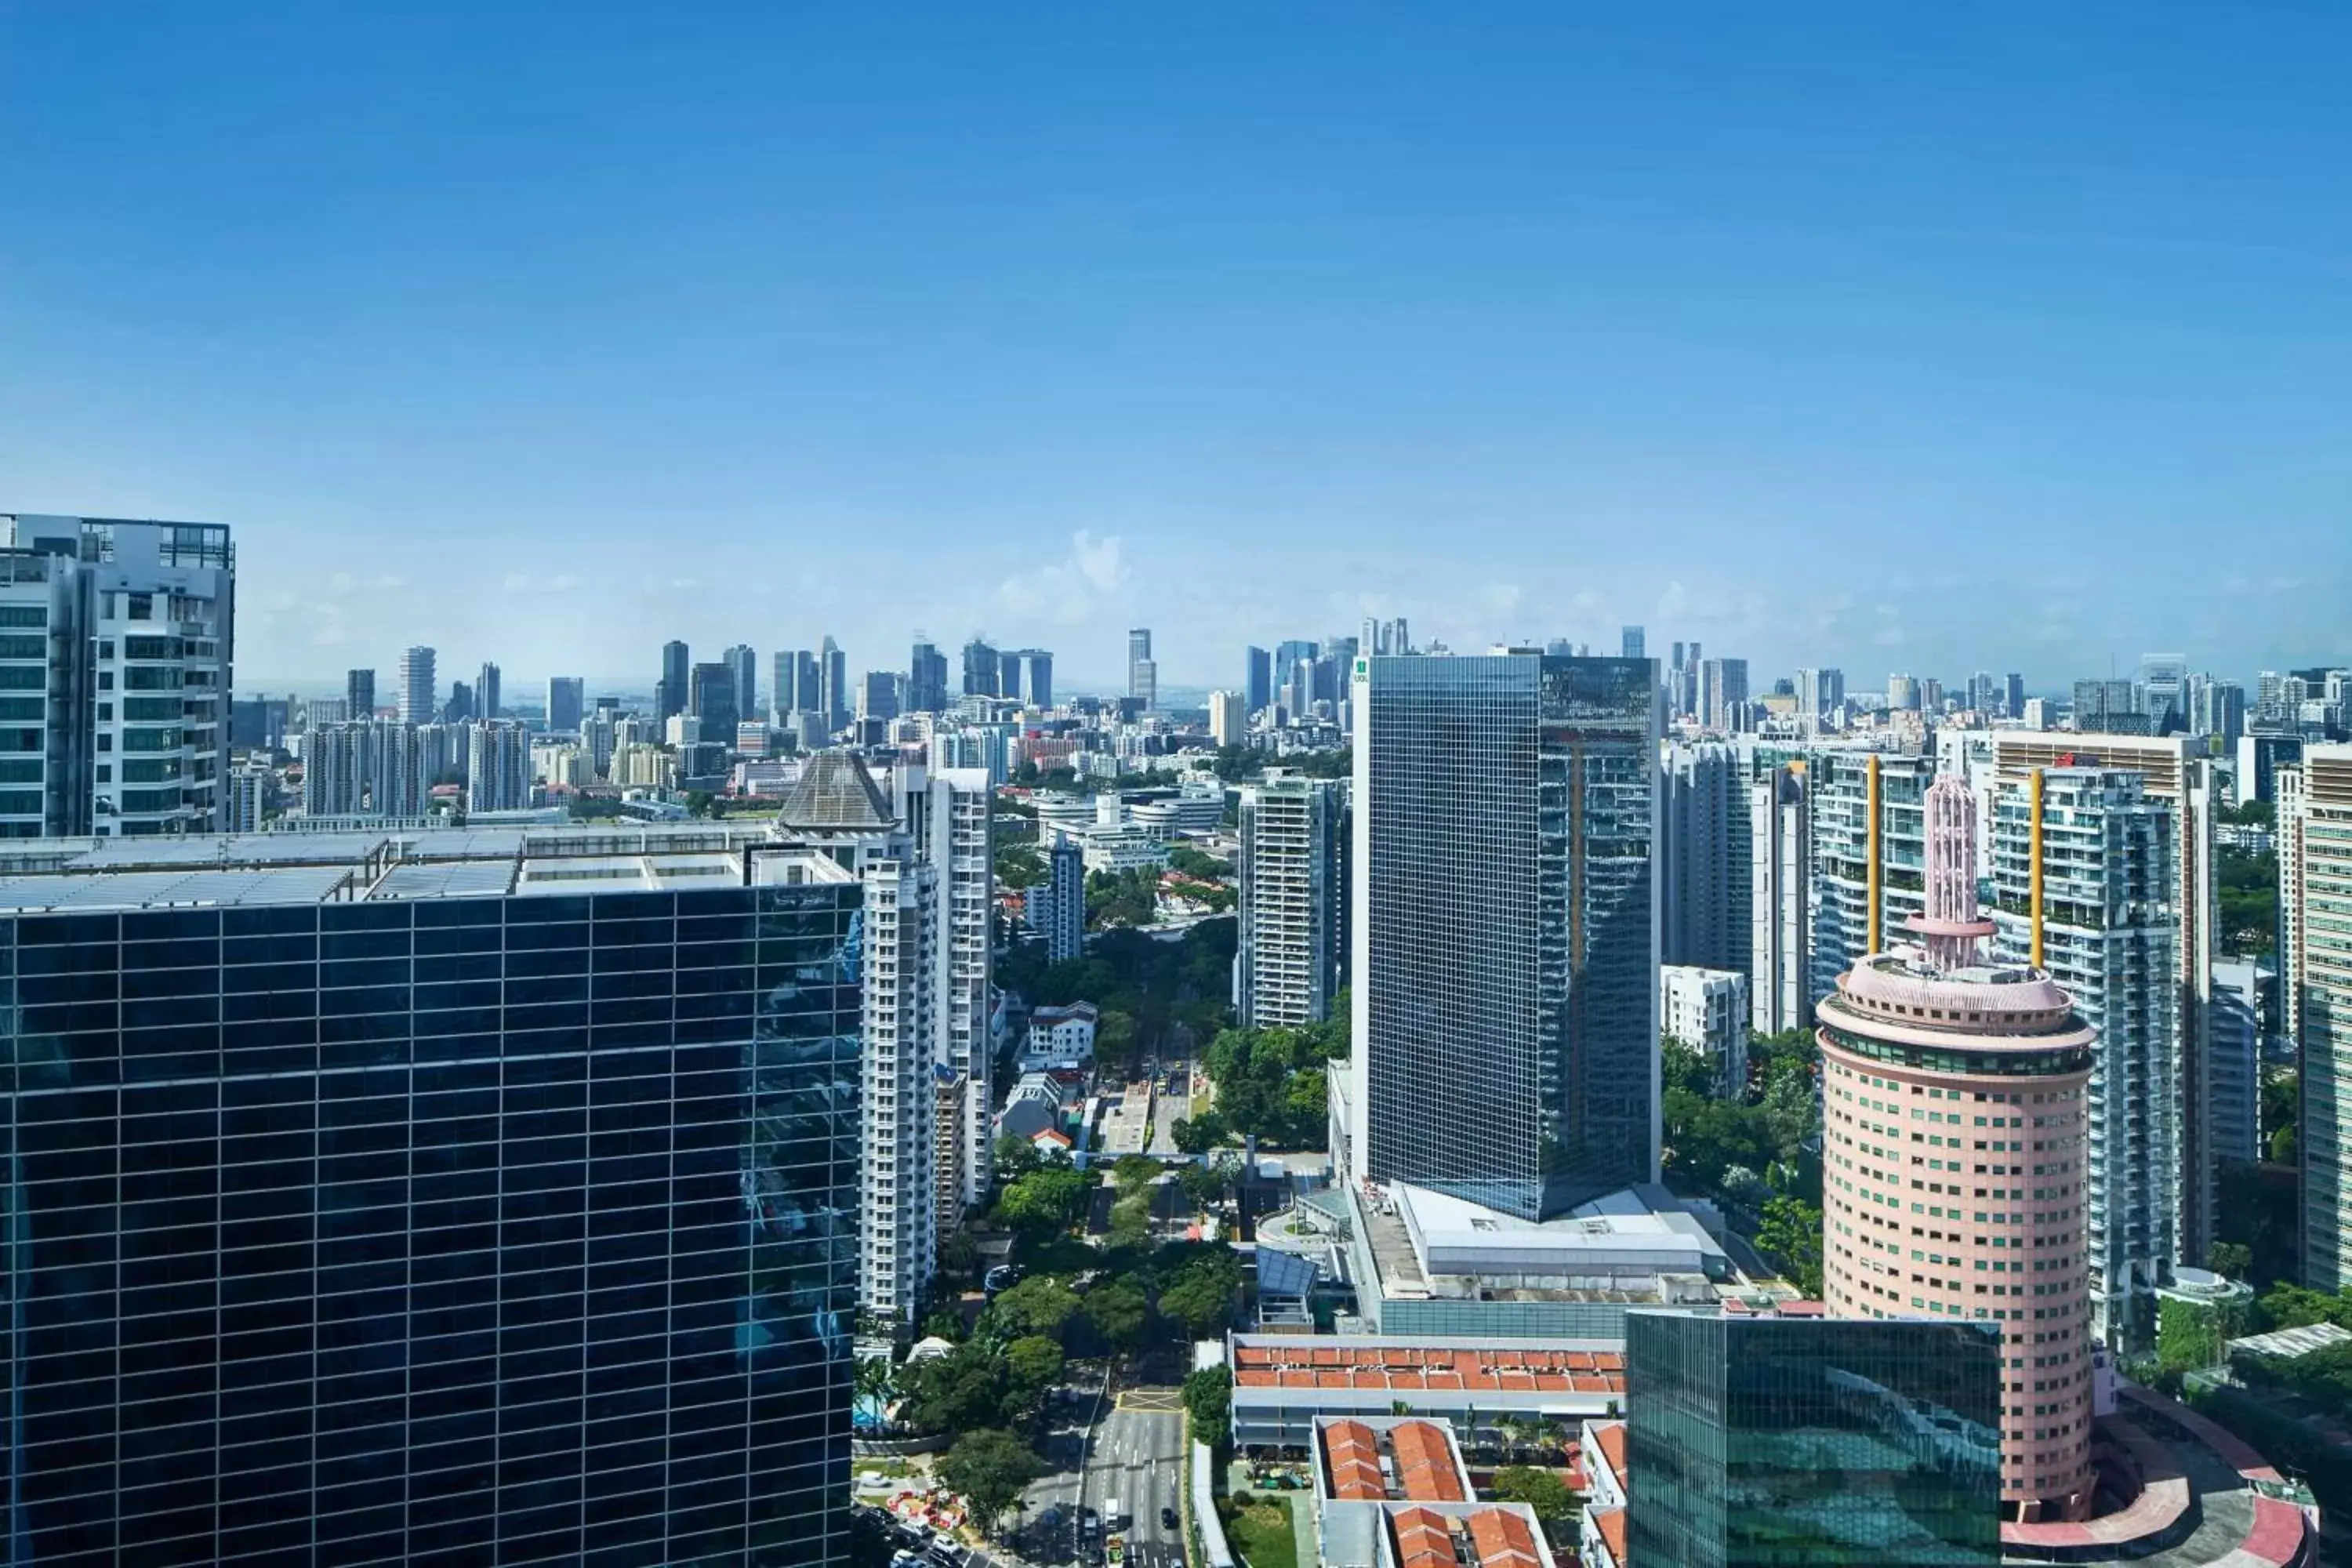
1953	1150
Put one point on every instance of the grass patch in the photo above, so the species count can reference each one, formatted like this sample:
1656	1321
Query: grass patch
1261	1534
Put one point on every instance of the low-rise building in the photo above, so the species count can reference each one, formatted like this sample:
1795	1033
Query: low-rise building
1706	1009
1060	1039
1393	1492
1283	1382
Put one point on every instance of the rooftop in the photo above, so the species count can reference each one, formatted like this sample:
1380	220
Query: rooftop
1269	1362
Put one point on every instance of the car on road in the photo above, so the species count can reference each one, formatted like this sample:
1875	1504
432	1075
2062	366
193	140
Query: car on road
1166	1517
949	1552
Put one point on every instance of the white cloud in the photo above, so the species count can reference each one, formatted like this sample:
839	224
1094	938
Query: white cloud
1072	591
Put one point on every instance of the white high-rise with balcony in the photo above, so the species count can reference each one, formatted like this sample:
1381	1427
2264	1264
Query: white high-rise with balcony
1294	946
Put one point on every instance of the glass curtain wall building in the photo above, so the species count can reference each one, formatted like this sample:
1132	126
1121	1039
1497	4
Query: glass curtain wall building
1505	926
482	1201
1760	1443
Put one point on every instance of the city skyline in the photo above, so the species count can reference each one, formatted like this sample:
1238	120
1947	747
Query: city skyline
1540	352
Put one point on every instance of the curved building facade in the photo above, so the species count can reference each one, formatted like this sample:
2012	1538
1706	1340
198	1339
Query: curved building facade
1953	1145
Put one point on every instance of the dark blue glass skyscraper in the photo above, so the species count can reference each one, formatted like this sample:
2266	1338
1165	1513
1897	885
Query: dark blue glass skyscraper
457	1203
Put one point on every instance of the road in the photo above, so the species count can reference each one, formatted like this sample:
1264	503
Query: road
1127	1448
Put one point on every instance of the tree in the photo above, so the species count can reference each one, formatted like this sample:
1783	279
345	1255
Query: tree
1201	1295
1033	1364
1019	866
1039	1305
1542	1490
2282	1147
1117	1309
1206	1185
958	1391
1131	1171
1016	1156
1792	1232
947	1323
1198	1134
989	1469
2230	1258
876	1379
1209	1401
1048	1199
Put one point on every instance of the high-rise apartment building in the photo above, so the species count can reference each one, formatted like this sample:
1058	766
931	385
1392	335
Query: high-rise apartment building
1780	890
1705	901
744	665
1257	680
1142	672
2234	1116
927	678
2217	713
247	796
1228	719
372	767
1762	1441
2110	708
418	687
1869	845
497	767
1722	692
1504	927
1057	906
2316	969
1380	636
115	642
949	814
1820	693
670	691
983	671
510	1226
2083	880
1928	1050
1293	947
489	698
359	690
565	703
1902	693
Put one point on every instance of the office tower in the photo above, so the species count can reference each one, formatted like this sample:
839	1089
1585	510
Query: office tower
115	655
2189	788
1504	927
984	671
418	689
2316	969
832	684
1057	906
2038	714
1288	655
1027	674
1820	694
2013	696
359	690
2218	712
1931	695
600	736
1257	680
2233	1116
2109	707
711	698
393	1273
948	811
460	706
1931	1035
1293	945
1228	719
1722	688
1982	696
1703	874
1869	841
247	794
1902	693
838	811
255	723
1378	636
1142	673
1298	691
745	667
1630	642
2083	878
670	690
1780	887
1758	1442
563	704
2164	691
370	767
497	768
878	694
927	679
487	694
798	689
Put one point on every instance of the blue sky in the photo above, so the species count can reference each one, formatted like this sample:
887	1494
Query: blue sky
1891	337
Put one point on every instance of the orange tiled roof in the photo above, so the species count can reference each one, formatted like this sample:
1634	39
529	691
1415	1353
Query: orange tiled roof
1424	1464
1612	1436
1611	1523
1503	1540
1421	1539
1410	1368
1355	1459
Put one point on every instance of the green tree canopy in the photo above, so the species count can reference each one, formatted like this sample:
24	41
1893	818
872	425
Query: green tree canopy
1542	1490
1119	1312
1033	1364
1039	1305
1209	1400
990	1469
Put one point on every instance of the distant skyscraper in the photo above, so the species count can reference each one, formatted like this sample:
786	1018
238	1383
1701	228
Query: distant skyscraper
1294	904
984	671
1057	906
2316	970
1703	865
1257	680
368	767
1504	927
1378	636
1631	641
711	698
2164	691
488	696
248	789
460	706
1781	883
1867	829
1142	672
359	690
417	694
1228	719
1028	675
1902	693
498	769
796	685
927	679
1926	1026
832	684
2110	708
745	664
878	694
670	699
563	704
2013	695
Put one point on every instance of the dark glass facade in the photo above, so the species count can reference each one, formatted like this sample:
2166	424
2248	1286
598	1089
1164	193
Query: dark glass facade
1511	926
1774	1442
483	1230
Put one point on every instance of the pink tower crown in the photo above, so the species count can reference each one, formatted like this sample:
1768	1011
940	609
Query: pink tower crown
1952	925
